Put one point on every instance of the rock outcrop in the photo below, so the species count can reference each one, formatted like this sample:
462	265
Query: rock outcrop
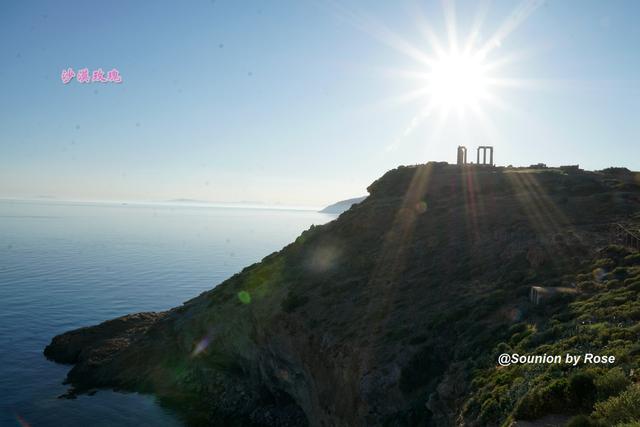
377	317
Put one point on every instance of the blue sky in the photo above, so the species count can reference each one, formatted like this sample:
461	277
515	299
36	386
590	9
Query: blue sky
291	101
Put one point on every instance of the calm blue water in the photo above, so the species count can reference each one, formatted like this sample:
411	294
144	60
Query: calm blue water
67	265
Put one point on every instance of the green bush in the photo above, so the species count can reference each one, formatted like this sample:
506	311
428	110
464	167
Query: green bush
543	400
624	408
631	279
633	259
633	285
612	382
578	393
581	391
616	252
635	348
489	410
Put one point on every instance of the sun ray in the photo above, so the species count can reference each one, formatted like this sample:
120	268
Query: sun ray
449	11
506	59
376	29
458	77
476	27
542	212
422	115
395	101
392	262
517	17
407	74
425	29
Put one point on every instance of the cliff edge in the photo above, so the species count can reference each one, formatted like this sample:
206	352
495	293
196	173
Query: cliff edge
385	316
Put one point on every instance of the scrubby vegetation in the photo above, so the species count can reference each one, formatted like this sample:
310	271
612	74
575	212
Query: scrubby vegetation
603	320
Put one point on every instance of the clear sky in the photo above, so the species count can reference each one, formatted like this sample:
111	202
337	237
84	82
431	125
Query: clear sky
300	102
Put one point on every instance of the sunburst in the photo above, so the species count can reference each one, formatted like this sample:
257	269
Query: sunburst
464	78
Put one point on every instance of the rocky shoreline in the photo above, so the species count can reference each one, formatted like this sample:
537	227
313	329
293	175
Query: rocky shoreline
377	318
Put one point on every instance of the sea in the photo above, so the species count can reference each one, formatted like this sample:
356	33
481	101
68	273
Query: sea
64	265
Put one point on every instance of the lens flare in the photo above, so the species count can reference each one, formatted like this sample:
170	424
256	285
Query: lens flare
244	297
201	346
22	422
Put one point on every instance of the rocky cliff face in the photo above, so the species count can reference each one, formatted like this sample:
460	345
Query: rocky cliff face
378	317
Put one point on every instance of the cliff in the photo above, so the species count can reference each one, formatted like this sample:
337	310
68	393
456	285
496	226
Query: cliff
392	314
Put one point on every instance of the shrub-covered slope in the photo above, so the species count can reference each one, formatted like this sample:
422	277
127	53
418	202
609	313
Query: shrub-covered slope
393	314
604	320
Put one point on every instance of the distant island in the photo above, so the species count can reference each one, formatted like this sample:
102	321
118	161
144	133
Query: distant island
343	205
187	201
209	202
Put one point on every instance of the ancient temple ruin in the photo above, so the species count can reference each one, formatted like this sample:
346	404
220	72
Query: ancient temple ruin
462	155
484	149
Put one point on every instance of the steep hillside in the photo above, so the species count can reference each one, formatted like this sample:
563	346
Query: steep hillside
394	313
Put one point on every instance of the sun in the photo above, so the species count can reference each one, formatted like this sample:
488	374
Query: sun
457	71
457	81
